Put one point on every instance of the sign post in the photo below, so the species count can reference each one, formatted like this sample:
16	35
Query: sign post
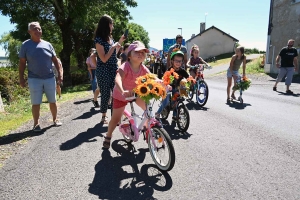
169	42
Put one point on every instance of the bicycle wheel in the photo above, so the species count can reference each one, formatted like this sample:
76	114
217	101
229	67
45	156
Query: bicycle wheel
124	120
191	93
202	93
161	148
183	118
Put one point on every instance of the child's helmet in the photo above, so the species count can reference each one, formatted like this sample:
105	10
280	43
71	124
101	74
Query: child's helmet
180	53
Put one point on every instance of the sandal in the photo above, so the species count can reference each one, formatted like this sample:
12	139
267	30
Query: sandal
233	96
228	100
106	144
274	88
104	120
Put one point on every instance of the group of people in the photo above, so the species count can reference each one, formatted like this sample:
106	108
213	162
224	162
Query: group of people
117	82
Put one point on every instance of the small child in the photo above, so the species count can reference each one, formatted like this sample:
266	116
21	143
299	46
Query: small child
125	83
233	71
177	58
195	60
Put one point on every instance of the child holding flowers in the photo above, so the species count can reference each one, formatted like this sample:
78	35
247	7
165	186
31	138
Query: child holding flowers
233	71
172	77
125	83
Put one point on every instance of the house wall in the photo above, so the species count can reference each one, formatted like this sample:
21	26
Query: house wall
286	25
211	43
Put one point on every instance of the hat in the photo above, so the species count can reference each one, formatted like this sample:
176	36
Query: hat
137	46
177	53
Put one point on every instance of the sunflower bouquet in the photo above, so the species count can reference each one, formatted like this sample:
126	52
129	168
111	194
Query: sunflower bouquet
169	77
244	84
148	88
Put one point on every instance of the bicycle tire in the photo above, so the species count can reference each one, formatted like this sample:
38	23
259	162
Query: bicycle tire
157	133
183	118
127	139
202	93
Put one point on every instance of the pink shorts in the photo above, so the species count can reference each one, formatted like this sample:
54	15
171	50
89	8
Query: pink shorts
118	104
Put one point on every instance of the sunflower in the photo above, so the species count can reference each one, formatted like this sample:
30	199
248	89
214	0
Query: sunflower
141	80
151	76
163	93
142	90
150	84
156	89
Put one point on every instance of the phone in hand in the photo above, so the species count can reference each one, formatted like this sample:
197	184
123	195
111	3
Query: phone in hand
126	33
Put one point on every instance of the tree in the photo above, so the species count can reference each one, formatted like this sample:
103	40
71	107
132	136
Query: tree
137	32
12	47
72	22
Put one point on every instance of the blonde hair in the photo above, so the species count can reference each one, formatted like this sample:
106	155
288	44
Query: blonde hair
33	23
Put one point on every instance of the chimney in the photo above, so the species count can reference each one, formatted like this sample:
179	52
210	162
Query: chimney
202	27
193	35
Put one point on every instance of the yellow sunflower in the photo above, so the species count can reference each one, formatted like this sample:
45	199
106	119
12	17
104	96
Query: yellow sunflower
156	89
163	93
142	90
141	80
151	76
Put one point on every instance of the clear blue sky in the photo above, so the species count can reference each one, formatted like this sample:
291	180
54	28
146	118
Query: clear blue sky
243	19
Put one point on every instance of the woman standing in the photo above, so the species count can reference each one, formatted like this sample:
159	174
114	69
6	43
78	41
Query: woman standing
107	61
91	63
233	71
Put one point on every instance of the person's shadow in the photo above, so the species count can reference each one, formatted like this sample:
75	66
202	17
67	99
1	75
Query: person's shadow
87	115
237	105
87	136
113	181
173	131
14	137
191	105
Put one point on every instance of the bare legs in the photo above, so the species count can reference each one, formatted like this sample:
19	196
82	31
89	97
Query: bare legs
36	112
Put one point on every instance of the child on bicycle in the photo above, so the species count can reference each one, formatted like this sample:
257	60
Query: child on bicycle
125	83
194	60
177	58
233	71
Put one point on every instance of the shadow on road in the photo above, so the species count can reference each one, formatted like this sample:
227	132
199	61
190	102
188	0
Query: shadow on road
237	105
82	101
173	131
285	94
120	178
89	114
191	105
87	136
14	137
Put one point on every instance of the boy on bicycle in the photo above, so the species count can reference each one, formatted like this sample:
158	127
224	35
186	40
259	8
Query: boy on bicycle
176	62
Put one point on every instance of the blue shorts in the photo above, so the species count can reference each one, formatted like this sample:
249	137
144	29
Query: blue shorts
229	74
36	88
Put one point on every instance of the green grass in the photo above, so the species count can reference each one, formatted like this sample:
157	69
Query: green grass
253	67
19	112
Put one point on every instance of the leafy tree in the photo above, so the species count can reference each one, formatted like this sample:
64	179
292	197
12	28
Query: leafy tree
72	22
137	32
11	46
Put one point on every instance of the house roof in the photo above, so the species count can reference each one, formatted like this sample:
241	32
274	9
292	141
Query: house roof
213	27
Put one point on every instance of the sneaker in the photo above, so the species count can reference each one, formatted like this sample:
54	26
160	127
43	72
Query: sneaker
96	104
289	92
57	123
37	128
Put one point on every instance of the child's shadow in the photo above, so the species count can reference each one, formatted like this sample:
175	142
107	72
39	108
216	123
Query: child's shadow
237	105
173	131
113	181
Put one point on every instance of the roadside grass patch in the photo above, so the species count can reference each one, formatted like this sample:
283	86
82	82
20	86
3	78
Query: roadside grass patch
254	67
18	112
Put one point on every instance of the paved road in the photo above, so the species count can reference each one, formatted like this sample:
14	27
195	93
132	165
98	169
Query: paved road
231	151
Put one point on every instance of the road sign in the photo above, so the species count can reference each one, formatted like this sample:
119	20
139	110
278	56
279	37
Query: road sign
169	42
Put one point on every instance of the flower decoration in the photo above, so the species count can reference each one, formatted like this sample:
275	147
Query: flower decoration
148	88
169	77
190	81
244	84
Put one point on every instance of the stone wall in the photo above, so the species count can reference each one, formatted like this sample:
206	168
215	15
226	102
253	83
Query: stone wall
286	25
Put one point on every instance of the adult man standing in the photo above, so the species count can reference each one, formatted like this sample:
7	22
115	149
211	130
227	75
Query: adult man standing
180	47
289	64
39	55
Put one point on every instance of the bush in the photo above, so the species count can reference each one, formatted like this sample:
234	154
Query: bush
9	85
79	77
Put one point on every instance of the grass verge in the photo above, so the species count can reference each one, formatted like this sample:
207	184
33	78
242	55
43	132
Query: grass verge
19	112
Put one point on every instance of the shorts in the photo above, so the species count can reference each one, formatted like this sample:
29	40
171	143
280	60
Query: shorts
230	75
287	72
36	88
118	104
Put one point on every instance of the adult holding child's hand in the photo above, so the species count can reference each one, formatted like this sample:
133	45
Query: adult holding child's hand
107	62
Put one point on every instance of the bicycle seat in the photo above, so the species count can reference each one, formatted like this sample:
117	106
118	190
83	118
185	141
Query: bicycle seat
130	99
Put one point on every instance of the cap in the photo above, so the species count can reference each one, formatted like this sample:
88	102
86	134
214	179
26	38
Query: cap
177	52
137	46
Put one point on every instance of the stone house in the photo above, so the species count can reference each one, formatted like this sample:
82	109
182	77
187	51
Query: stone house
212	42
284	24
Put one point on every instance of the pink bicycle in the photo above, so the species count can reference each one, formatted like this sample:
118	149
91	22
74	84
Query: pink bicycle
159	142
